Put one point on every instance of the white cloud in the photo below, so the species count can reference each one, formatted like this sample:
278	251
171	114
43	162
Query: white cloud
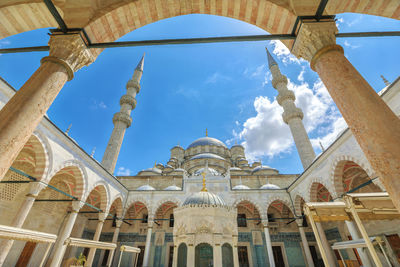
267	135
301	74
349	45
333	131
97	104
217	77
122	171
283	53
188	92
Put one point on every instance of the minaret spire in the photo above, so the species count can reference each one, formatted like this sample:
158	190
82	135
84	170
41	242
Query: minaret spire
122	119
291	115
385	81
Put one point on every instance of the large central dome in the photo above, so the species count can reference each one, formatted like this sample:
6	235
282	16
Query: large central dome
204	141
204	198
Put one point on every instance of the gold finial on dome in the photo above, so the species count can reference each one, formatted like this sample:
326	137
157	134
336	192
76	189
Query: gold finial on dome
155	164
204	189
206	132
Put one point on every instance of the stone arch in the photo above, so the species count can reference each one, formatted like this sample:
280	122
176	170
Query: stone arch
298	201
171	199
44	156
319	192
284	201
339	167
98	196
116	204
279	205
244	199
138	199
76	169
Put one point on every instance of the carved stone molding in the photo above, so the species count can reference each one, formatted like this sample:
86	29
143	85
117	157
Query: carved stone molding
123	117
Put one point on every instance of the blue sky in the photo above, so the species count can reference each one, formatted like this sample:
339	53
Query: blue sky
224	87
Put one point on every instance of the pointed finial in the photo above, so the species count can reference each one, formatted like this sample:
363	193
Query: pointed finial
322	147
271	60
69	128
140	65
204	189
386	82
206	132
93	150
155	164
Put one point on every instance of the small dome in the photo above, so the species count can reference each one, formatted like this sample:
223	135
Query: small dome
179	170
207	156
145	187
211	171
240	187
270	186
235	169
173	188
177	146
204	198
237	145
204	141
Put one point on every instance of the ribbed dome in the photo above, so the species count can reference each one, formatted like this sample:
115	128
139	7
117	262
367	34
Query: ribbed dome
204	198
203	141
145	187
263	167
270	186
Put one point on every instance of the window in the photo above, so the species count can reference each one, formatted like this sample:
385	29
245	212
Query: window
271	217
171	220
278	256
241	220
145	218
243	256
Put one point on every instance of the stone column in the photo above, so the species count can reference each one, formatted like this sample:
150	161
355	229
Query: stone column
217	257
268	242
175	257
24	111
326	246
235	252
114	240
92	251
191	255
146	257
19	218
307	252
60	246
362	252
373	124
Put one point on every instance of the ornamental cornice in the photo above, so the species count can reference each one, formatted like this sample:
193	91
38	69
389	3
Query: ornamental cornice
70	51
128	99
285	95
287	115
279	79
313	36
133	84
122	117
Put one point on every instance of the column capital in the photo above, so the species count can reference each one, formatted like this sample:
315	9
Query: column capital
102	216
313	36
264	223
291	113
70	51
123	117
35	188
299	222
77	205
118	223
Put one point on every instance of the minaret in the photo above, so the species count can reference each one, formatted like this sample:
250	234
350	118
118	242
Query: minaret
292	115
122	119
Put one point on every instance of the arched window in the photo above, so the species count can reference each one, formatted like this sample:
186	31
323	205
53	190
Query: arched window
182	255
227	255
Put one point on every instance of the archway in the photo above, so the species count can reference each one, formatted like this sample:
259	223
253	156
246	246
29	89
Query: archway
182	255
319	193
227	255
248	216
349	176
203	255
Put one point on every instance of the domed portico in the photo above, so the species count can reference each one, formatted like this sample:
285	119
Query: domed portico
205	231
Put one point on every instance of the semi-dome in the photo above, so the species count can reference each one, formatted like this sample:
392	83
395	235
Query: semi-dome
207	156
204	141
146	187
270	186
211	171
240	187
204	198
173	188
263	168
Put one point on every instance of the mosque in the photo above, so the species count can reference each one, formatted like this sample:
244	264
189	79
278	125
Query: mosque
208	205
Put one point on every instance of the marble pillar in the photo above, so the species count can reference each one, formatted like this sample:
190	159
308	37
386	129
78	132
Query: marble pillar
24	111
146	257
306	247
99	228
19	218
235	256
191	255
217	257
326	246
268	242
114	240
373	124
362	252
60	246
